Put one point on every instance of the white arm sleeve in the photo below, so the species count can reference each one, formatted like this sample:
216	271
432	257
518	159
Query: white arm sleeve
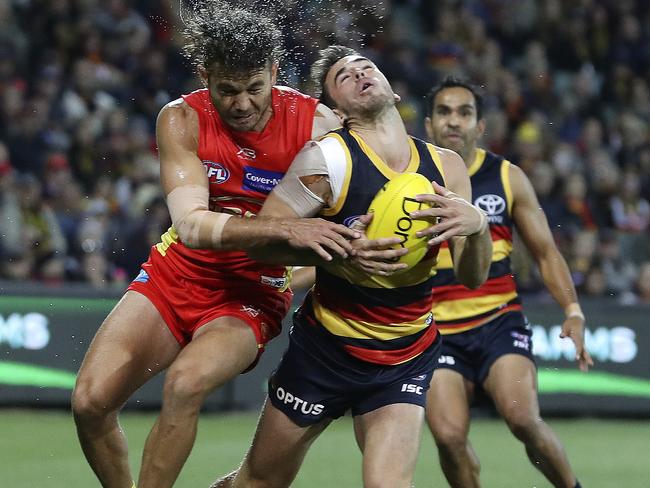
336	160
325	157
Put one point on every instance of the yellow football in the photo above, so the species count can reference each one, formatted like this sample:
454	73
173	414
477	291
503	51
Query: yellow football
391	207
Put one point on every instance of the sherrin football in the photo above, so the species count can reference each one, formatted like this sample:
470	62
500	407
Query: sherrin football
391	207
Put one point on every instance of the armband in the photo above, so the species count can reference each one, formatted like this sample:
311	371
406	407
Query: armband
195	224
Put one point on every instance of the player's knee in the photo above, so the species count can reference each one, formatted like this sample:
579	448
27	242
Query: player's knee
89	402
450	437
280	476
522	423
186	386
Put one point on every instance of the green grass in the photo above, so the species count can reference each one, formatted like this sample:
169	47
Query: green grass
39	449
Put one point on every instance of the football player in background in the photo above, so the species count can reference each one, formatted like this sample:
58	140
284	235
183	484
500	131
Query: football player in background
487	339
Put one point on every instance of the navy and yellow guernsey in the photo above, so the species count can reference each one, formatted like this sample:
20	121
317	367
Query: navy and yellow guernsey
381	320
455	307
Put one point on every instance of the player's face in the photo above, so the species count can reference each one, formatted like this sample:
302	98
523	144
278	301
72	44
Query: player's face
356	85
454	121
243	100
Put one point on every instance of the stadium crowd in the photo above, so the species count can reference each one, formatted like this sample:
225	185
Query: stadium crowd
567	98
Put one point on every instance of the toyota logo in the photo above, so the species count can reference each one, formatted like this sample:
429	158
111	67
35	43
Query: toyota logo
491	204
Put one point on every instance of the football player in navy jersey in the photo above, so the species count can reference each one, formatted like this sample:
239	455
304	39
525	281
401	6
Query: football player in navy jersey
486	338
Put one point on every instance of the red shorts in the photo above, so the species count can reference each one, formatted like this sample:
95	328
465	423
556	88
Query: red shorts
187	305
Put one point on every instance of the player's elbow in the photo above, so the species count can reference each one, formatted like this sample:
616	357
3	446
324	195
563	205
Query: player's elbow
474	268
481	272
186	236
189	230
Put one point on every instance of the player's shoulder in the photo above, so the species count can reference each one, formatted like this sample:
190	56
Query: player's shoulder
288	93
176	108
514	171
521	187
492	158
293	107
447	157
177	117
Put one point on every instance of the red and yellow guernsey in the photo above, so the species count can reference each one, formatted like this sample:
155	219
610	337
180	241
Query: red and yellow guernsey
381	320
455	307
242	168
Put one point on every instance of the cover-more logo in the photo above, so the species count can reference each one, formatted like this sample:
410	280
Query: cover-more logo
260	180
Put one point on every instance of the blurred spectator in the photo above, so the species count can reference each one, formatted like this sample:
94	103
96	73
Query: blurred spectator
11	243
630	211
575	213
582	256
543	179
643	284
619	271
631	216
40	232
640	294
595	283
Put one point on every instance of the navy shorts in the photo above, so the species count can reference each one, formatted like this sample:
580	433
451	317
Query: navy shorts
317	379
473	352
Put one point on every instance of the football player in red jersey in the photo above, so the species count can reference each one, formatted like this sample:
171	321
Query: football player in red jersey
200	307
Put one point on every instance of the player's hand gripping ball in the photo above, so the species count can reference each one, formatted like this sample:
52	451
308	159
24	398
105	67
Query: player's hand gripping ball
391	207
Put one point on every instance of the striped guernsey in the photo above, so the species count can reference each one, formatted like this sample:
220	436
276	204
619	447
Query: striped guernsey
455	307
381	320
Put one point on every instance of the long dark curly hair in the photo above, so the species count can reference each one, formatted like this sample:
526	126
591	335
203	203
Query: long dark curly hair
236	39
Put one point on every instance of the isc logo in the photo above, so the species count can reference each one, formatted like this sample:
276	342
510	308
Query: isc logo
412	389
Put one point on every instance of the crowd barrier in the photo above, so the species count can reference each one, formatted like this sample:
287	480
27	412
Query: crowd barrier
45	331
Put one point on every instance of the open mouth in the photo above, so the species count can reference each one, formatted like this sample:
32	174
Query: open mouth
365	85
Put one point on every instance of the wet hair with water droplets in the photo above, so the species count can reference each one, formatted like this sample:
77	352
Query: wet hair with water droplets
326	59
236	39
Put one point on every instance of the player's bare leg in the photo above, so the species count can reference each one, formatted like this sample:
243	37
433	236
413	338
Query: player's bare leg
512	383
448	416
131	346
219	351
278	449
389	438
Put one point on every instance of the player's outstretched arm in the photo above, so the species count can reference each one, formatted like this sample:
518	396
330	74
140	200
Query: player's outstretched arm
531	223
460	222
185	183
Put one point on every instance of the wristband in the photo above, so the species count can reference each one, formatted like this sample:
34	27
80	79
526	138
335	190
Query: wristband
481	214
573	310
483	218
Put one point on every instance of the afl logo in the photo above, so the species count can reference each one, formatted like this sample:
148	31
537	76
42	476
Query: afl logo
491	204
217	174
